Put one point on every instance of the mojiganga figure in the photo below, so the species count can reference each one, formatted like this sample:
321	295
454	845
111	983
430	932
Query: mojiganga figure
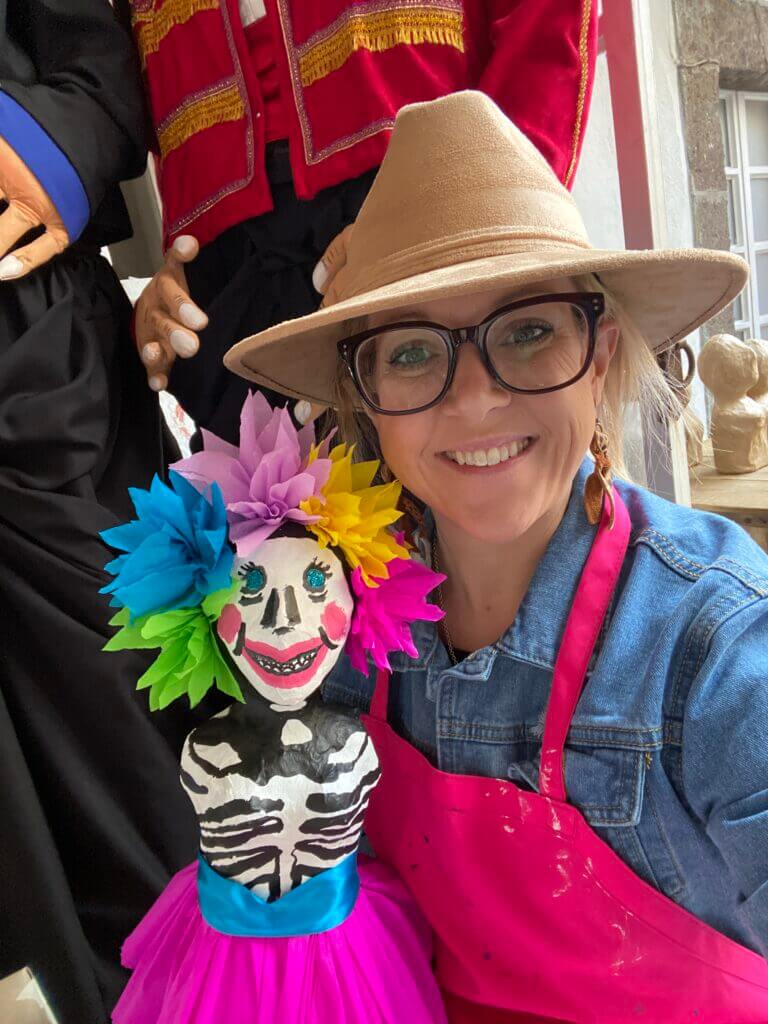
278	919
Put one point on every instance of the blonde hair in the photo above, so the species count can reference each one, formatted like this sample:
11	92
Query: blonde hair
633	377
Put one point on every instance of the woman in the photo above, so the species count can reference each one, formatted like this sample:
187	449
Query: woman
575	772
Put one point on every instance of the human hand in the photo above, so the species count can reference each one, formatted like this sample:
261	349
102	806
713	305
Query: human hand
166	318
29	207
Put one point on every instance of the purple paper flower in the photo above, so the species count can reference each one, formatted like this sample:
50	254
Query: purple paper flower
384	612
264	480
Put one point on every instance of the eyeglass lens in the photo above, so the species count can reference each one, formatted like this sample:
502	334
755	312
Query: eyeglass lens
531	348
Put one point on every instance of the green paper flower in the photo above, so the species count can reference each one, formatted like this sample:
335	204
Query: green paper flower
190	660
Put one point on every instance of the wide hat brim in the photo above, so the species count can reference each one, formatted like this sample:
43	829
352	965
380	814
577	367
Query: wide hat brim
666	293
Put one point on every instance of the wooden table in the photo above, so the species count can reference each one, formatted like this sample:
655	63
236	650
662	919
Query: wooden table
742	497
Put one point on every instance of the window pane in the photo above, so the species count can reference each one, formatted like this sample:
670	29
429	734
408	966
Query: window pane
734	212
760	209
724	130
761	266
743	305
757	132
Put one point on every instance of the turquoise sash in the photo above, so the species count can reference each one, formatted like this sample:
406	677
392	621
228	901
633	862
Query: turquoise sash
317	905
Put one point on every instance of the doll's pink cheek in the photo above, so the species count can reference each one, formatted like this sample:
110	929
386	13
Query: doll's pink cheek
228	624
334	620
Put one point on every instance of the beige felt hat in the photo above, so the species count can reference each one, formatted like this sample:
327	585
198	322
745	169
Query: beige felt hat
464	203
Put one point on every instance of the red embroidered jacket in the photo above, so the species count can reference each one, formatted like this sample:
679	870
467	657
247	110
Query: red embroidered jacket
347	68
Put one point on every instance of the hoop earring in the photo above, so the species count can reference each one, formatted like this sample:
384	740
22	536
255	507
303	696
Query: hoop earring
598	487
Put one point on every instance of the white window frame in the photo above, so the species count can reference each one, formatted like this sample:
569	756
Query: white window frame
740	174
641	126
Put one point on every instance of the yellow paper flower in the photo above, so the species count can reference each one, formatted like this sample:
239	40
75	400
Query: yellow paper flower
353	516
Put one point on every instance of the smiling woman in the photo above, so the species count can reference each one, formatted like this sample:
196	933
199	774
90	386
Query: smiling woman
579	748
633	375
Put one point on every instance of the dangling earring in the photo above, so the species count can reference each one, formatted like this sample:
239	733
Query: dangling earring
412	522
598	485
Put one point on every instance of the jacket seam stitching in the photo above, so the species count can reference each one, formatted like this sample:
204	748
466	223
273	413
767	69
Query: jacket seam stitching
676	559
704	633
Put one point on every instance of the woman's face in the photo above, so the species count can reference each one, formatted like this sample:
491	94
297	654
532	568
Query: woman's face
532	444
287	628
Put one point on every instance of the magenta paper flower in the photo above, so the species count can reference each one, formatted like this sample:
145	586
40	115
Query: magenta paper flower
264	480
383	613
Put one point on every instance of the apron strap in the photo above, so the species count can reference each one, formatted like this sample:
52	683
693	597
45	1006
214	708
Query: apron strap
590	606
380	699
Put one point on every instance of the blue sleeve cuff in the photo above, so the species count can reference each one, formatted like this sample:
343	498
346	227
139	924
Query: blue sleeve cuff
47	162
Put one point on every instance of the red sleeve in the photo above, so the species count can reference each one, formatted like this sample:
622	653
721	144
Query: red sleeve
541	71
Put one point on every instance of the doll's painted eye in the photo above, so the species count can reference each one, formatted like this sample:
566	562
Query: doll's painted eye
254	578
315	579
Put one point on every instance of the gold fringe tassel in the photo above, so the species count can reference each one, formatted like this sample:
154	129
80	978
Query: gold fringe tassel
586	8
151	29
376	31
225	105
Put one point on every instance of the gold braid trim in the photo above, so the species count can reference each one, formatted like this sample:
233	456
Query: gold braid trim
152	28
380	30
226	104
583	82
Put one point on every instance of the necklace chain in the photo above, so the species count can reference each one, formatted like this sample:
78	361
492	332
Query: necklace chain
441	606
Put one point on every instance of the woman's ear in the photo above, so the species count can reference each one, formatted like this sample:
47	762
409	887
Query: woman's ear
605	347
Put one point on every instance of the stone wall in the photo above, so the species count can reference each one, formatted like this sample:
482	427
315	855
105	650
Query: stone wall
722	44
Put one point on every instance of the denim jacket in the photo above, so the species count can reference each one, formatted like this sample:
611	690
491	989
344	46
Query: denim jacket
667	755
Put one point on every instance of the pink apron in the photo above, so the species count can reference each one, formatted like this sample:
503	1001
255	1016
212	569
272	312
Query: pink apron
535	917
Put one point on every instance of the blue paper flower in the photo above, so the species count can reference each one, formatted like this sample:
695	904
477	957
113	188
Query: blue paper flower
177	550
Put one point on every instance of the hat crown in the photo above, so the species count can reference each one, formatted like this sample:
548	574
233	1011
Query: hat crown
463	203
459	182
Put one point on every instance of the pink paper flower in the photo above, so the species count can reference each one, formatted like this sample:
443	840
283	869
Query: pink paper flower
383	613
264	480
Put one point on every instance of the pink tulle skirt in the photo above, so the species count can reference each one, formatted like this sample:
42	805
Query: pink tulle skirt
373	968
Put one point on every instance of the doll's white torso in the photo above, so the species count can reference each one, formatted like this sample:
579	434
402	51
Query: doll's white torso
279	796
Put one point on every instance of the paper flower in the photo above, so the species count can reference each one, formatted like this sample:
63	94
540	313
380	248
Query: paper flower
351	515
263	481
176	550
383	613
190	660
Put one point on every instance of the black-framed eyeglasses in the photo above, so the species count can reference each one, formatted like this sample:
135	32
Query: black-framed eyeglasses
532	346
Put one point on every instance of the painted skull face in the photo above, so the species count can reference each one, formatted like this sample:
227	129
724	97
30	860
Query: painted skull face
287	629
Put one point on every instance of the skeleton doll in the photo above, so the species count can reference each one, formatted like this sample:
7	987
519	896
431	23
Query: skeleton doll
278	919
280	783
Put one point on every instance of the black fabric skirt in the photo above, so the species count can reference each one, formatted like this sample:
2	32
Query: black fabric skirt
252	276
93	818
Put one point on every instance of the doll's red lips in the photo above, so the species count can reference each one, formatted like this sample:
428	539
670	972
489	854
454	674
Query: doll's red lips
286	667
283	668
282	654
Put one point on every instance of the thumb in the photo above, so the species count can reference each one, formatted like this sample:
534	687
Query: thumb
332	260
185	248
